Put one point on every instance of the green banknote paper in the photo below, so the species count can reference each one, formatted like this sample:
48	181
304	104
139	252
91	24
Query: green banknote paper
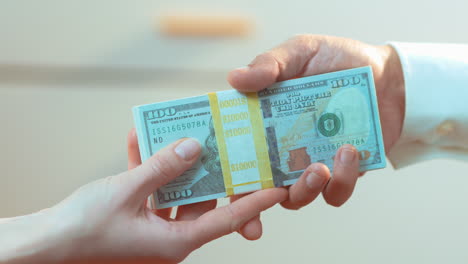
266	139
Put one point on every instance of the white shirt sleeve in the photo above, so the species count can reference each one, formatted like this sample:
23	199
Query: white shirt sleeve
436	116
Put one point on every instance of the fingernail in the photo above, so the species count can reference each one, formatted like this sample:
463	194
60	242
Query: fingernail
313	180
347	156
188	149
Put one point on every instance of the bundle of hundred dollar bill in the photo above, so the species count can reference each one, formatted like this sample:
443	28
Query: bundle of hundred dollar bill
267	139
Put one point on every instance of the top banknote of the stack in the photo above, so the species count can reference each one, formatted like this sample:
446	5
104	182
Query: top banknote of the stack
267	139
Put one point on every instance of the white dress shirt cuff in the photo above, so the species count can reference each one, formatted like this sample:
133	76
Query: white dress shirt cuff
436	115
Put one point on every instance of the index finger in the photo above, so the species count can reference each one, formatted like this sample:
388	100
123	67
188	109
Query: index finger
232	217
134	159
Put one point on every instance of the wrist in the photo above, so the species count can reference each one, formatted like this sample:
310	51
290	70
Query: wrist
391	95
35	238
393	71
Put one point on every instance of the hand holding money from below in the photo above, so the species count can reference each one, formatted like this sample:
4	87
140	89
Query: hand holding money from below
108	221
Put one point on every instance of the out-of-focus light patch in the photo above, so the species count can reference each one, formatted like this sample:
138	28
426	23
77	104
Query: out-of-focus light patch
200	25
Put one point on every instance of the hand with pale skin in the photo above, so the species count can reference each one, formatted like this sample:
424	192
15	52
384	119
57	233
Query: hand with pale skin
307	55
252	231
107	221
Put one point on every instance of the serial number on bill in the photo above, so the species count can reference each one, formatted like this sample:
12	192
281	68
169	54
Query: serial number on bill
179	127
337	145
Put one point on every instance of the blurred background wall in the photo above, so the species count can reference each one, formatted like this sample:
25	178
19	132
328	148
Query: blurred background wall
70	71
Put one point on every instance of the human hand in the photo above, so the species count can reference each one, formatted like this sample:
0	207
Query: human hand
252	230
108	220
307	55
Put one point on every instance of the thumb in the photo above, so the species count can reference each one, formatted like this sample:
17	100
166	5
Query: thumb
164	166
283	62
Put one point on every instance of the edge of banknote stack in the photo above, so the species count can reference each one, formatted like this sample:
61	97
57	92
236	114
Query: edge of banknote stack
262	140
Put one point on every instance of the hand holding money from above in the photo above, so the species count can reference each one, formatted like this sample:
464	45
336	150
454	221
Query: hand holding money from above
306	55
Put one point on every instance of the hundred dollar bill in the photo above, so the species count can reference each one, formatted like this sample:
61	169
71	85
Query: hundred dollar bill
267	139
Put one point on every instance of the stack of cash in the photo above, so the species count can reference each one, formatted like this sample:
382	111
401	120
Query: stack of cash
267	139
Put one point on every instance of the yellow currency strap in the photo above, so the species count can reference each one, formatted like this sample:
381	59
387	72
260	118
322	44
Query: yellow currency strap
264	167
219	132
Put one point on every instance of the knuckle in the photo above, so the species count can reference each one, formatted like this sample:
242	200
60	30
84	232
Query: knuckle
270	63
162	167
301	37
264	57
304	40
233	217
